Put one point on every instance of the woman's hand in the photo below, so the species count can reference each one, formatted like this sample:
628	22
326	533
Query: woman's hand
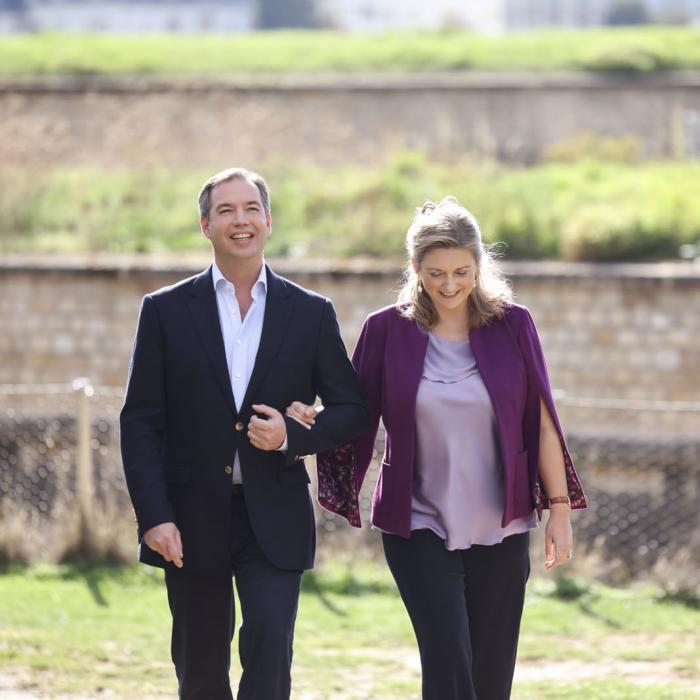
558	536
303	413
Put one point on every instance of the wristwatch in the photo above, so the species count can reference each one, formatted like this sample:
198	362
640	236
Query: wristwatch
560	499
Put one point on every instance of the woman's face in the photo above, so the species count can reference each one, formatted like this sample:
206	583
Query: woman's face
448	276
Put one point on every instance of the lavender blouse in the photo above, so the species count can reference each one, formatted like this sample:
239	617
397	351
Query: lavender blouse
458	483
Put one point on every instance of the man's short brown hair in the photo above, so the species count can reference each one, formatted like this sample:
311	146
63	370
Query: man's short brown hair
253	178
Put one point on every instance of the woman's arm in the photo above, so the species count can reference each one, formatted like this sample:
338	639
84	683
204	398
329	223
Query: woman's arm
552	472
342	471
541	416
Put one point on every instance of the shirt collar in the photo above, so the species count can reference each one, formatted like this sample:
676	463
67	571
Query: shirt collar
259	287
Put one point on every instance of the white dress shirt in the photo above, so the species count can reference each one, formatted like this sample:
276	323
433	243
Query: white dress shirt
241	336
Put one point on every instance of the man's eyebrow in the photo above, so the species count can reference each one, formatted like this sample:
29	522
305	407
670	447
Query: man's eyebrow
246	204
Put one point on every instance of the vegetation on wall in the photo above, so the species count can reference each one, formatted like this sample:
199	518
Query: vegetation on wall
586	210
635	50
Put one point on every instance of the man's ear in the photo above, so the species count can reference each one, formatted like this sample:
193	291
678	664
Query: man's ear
268	218
204	226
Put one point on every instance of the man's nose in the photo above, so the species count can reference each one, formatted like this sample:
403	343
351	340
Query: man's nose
239	216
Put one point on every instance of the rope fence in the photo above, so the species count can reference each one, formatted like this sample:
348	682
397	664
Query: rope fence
62	490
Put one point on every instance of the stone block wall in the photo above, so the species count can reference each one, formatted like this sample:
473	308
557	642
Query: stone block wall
515	117
610	331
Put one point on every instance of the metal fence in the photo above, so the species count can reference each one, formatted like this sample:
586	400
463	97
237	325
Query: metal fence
62	491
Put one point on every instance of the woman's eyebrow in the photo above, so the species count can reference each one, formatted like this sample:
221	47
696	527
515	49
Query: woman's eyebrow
439	269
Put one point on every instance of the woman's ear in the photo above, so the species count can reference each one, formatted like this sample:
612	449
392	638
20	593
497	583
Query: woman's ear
414	263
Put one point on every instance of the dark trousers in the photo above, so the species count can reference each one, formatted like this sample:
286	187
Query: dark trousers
202	607
465	606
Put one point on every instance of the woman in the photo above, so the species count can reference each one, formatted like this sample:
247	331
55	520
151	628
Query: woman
474	452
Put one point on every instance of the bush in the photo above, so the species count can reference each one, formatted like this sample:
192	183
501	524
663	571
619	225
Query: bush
608	233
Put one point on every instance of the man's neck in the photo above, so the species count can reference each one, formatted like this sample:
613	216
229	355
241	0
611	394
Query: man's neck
243	274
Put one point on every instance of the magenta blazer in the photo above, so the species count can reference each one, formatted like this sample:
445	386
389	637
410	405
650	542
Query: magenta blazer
389	360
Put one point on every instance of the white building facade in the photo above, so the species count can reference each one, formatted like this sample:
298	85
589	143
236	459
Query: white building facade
389	15
123	16
486	16
490	16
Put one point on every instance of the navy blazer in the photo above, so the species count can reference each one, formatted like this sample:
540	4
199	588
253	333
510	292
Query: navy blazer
389	359
180	428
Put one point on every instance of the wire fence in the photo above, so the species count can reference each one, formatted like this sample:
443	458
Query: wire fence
62	490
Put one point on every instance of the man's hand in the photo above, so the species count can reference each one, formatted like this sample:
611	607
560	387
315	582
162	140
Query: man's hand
165	539
267	433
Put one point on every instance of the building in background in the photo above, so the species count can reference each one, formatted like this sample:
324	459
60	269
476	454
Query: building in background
493	16
127	16
577	14
486	16
381	15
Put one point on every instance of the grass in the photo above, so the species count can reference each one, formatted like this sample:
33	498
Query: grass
610	206
638	50
81	631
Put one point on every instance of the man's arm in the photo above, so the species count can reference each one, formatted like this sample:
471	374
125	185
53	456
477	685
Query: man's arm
345	412
142	423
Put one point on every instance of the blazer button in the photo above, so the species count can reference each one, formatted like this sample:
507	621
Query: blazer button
228	469
239	426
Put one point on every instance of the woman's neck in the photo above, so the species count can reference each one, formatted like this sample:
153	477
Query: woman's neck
453	326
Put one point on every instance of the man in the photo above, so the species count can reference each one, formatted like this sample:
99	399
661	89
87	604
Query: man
212	465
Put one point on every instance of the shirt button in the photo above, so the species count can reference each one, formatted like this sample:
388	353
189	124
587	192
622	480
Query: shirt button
228	470
239	426
238	342
238	375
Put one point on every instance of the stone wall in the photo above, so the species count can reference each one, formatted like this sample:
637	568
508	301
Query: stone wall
335	119
617	331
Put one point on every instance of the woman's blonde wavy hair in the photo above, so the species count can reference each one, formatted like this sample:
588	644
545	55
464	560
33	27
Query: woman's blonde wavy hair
447	224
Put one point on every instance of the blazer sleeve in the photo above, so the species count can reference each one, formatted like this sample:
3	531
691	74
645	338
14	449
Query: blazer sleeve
142	424
334	381
342	471
538	385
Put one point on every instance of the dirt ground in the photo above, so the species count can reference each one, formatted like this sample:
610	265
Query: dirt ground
13	687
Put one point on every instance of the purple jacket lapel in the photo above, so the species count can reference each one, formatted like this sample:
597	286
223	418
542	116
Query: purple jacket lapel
406	351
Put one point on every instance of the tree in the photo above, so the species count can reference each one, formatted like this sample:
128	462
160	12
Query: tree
287	14
628	12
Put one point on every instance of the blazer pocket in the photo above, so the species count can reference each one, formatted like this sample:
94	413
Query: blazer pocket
177	474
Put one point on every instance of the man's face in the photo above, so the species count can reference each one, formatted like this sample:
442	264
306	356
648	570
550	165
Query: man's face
237	225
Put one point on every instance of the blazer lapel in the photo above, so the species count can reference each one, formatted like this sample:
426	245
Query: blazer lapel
205	314
496	362
409	353
278	309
